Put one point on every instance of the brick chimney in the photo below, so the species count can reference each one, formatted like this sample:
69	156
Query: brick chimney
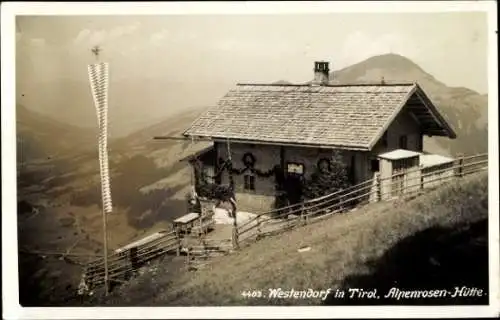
321	73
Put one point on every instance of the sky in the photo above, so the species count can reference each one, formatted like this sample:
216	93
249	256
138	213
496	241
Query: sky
160	64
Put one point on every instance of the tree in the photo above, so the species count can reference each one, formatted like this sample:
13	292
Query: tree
214	191
331	175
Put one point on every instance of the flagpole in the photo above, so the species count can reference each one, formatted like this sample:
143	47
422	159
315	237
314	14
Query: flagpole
98	77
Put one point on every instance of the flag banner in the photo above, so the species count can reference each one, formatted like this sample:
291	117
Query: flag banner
98	76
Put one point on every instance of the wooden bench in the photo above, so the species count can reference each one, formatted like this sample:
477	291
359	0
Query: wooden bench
186	222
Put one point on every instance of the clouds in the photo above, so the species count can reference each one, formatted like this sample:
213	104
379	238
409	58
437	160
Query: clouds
257	48
89	37
37	42
157	38
82	35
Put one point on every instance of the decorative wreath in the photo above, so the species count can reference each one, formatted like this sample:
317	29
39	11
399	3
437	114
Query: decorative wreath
324	164
248	160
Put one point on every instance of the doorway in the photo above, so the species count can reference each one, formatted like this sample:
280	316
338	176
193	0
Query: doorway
294	182
293	188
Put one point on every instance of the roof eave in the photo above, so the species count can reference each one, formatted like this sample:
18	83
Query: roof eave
282	143
435	112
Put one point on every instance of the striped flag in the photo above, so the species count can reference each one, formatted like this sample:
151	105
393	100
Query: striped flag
98	76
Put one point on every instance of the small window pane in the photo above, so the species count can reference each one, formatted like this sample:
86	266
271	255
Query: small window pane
249	182
295	168
384	140
403	142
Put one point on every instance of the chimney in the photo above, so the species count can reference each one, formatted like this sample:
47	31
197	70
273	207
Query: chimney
321	73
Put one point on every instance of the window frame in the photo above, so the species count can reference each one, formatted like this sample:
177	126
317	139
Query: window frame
403	138
385	139
249	182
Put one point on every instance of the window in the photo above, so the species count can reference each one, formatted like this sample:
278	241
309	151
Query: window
352	170
296	168
249	183
420	143
375	165
385	142
403	142
403	164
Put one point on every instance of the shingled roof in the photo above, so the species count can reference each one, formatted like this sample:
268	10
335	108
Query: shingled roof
341	116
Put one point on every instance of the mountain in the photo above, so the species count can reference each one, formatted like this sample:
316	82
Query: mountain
39	136
282	82
465	109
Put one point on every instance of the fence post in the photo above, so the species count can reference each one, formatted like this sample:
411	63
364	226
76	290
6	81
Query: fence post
177	236
235	237
133	259
378	194
259	231
341	199
422	173
302	216
460	165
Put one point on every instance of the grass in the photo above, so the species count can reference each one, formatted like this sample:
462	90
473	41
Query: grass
421	243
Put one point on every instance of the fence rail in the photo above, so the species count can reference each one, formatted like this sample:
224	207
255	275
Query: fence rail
122	264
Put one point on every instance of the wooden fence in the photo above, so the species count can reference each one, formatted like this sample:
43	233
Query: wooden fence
123	264
373	190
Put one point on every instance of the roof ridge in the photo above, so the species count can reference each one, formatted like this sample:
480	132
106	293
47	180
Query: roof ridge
390	84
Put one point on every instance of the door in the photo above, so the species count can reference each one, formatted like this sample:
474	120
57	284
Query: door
293	188
294	182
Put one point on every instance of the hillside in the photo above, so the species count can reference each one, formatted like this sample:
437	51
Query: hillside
465	109
39	136
417	244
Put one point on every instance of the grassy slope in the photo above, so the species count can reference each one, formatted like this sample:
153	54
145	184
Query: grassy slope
422	243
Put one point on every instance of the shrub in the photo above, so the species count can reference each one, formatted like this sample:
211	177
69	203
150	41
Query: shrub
328	180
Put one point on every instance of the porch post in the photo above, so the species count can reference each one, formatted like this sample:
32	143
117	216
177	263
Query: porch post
385	179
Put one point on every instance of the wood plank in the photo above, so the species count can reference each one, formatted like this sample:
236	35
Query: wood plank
187	218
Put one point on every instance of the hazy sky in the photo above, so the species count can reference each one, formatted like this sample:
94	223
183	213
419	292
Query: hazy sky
195	59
